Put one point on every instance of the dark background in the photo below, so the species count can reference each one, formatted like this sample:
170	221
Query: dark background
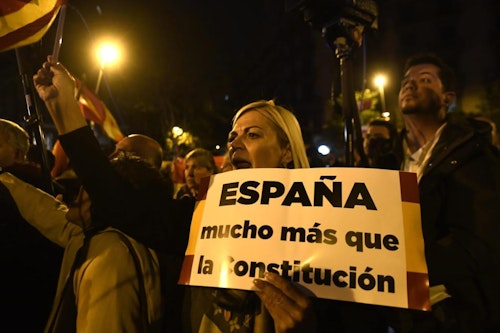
194	63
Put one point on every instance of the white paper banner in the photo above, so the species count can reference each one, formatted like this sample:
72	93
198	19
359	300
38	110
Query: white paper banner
349	234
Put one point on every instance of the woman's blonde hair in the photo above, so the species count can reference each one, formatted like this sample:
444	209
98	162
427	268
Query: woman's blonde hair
287	128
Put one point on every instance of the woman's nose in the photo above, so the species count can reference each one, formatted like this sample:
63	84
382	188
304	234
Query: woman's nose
236	143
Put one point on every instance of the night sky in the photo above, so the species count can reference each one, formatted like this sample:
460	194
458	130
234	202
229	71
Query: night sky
193	63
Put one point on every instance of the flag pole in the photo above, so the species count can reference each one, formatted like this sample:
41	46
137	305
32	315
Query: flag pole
59	34
33	119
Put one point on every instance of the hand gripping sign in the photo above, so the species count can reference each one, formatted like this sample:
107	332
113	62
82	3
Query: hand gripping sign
351	234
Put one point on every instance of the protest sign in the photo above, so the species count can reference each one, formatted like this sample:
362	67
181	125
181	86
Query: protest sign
351	234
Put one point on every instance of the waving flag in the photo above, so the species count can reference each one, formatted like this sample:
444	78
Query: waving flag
95	110
23	22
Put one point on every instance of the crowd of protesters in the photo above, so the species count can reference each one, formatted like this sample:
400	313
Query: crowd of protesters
125	230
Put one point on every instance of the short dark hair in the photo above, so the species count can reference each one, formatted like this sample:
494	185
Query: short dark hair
203	157
393	132
446	74
139	173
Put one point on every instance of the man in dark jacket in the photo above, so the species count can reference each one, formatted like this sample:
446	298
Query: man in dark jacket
459	176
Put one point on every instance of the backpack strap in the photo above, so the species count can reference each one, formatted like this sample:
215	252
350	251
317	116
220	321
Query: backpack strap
64	319
65	316
143	300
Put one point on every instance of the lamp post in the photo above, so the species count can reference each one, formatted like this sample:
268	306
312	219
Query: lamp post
108	54
177	132
380	81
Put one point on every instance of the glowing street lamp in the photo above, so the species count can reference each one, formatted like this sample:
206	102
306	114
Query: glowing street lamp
107	53
177	131
380	81
324	150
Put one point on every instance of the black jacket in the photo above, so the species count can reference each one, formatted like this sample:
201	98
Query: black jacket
163	222
460	207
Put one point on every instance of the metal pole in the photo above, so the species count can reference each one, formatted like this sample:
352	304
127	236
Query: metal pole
34	121
382	98
352	126
99	79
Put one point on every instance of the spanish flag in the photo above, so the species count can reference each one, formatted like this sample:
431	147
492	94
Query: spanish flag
23	22
96	111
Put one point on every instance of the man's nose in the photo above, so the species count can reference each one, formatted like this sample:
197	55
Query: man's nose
411	84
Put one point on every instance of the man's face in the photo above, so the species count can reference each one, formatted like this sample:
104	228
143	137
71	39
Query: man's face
7	152
194	172
253	143
375	132
422	91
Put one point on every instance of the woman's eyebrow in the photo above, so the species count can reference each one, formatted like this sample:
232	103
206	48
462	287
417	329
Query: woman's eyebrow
252	127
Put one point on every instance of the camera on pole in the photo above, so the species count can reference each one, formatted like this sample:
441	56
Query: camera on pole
342	23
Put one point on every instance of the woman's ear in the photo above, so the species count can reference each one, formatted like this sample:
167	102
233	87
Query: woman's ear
286	155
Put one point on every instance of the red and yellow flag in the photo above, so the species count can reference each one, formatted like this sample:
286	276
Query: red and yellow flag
23	22
95	110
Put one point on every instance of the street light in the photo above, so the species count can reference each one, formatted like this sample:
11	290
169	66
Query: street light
380	81
177	131
107	53
324	150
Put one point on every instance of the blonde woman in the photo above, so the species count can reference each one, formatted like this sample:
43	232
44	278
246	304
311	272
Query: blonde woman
263	135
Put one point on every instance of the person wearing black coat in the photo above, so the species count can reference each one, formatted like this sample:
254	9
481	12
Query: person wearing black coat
458	170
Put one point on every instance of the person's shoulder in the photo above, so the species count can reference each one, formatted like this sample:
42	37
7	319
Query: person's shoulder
110	242
479	125
110	250
181	192
463	125
468	122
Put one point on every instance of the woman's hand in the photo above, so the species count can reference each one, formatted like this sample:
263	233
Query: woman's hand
56	87
53	81
290	308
